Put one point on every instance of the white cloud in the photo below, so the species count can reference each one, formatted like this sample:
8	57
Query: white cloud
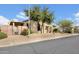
22	13
76	14
15	20
22	16
76	19
4	20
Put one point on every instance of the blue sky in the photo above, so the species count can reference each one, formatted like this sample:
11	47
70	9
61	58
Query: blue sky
61	11
11	10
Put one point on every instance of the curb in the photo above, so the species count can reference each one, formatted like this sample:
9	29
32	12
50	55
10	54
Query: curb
36	41
60	37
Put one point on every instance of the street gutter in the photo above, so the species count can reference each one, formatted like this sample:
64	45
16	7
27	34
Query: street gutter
39	40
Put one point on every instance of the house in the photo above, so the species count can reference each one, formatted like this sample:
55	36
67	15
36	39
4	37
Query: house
17	27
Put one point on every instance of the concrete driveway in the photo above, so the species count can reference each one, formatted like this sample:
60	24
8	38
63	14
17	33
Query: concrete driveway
69	45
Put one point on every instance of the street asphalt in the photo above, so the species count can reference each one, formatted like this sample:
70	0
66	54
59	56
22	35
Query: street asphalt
68	45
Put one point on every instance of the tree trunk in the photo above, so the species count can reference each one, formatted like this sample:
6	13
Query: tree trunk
42	27
30	27
38	26
63	29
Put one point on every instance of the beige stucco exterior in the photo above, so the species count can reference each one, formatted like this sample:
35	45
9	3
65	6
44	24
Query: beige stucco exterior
11	29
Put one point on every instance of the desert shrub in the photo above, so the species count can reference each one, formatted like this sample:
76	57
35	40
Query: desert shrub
25	32
76	30
3	35
31	32
55	30
0	29
68	30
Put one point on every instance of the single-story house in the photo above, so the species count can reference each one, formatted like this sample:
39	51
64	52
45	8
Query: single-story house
17	27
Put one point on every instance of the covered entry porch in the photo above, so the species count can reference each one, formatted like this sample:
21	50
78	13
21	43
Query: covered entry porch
17	27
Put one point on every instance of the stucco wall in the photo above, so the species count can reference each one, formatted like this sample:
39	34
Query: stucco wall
11	30
7	29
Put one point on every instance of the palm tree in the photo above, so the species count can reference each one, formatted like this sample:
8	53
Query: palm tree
27	14
36	14
47	17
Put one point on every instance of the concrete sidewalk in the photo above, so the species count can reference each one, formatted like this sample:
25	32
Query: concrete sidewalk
18	39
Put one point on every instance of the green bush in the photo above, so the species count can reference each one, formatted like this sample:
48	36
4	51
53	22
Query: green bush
3	35
76	30
68	30
25	32
31	32
0	30
55	30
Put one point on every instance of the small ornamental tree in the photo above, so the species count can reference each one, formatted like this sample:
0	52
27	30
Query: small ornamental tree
66	25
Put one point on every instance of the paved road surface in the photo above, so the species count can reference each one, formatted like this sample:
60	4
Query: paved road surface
61	46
